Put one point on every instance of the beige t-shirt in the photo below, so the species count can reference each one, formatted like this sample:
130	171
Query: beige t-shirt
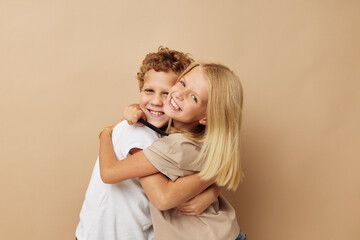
173	156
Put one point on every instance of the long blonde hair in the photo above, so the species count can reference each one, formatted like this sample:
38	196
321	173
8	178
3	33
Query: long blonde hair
220	151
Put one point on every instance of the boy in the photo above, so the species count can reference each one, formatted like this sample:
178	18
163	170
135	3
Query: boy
121	210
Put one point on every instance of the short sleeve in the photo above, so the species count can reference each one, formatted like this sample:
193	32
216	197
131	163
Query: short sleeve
174	155
126	137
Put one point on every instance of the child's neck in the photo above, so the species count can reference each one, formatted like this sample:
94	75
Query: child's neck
187	127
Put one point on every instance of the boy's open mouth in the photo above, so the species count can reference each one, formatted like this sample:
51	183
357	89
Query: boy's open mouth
155	113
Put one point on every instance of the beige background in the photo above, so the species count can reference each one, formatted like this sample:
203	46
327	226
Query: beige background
67	70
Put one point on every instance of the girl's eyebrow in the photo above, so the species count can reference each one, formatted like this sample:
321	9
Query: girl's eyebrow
192	90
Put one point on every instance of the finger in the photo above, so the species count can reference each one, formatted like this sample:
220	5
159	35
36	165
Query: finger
185	204
139	124
186	209
129	121
134	119
181	206
189	213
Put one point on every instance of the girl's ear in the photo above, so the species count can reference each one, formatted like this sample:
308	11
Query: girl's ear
202	121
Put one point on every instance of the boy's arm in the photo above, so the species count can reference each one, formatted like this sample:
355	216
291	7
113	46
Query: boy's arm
199	203
113	171
165	194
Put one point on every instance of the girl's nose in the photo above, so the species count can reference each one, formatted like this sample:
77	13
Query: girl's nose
179	95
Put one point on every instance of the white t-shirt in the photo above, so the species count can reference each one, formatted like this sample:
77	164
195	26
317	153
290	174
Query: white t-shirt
121	210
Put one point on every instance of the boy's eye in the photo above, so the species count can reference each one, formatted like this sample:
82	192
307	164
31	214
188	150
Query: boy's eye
182	82
194	98
166	93
149	90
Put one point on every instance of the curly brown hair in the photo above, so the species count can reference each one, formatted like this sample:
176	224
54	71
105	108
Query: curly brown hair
164	60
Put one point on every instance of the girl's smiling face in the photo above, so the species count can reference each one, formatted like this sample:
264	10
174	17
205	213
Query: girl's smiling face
153	96
187	101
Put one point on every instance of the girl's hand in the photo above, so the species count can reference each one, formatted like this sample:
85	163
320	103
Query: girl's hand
133	113
198	204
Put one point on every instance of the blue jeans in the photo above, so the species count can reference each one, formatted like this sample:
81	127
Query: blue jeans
242	236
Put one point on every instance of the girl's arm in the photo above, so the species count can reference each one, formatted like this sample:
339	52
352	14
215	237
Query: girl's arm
113	171
133	113
165	194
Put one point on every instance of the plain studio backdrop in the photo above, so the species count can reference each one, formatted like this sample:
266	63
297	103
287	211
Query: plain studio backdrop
67	69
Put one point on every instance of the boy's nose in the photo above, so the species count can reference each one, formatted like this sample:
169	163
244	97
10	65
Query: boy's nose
157	100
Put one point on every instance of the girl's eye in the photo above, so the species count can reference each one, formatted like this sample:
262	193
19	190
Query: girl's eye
182	82
166	93
194	98
149	90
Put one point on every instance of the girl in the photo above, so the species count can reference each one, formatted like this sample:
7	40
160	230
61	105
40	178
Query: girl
121	210
206	107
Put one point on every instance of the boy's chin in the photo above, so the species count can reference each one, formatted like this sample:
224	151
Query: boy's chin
158	123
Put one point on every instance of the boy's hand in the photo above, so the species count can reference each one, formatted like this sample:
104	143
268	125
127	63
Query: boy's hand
198	204
133	113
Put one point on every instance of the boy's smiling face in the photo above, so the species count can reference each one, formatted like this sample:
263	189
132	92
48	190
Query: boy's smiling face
153	95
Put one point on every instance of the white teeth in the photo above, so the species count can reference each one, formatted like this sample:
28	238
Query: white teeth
174	104
156	113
